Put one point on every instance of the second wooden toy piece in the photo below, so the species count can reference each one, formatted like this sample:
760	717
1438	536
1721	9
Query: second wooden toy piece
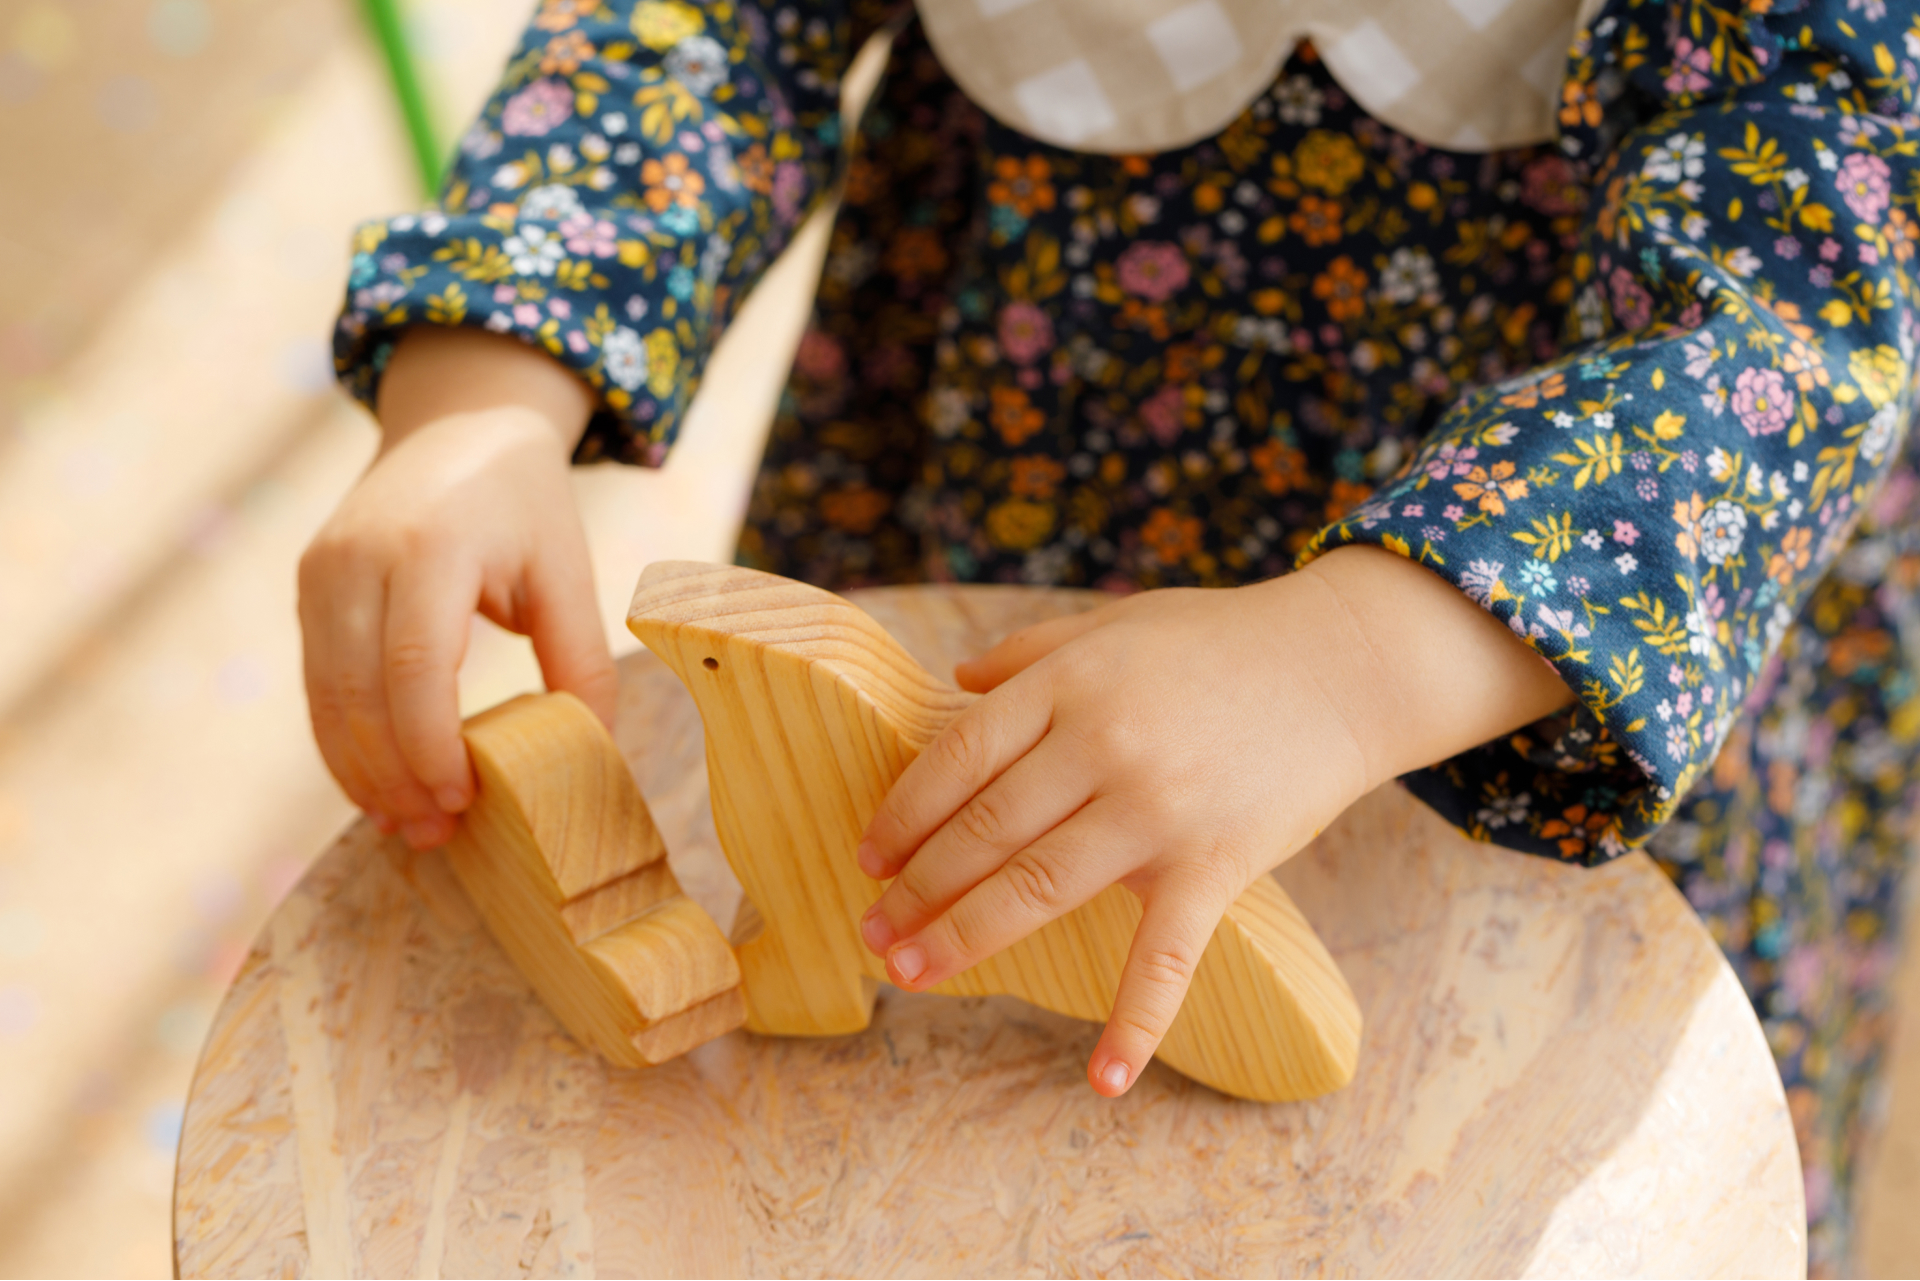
560	855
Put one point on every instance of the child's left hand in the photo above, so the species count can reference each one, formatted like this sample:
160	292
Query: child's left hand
1180	743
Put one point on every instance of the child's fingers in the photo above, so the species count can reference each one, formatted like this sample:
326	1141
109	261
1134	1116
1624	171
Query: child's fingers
429	607
563	622
353	689
1044	881
328	712
1030	798
961	760
1173	935
1023	649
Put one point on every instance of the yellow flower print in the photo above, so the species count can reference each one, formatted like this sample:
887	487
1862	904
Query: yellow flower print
1329	161
1018	525
663	363
1879	371
662	24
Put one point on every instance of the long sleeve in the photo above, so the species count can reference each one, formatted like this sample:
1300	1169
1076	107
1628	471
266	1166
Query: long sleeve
1649	511
638	166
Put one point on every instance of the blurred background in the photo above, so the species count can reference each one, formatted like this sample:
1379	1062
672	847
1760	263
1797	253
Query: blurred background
177	183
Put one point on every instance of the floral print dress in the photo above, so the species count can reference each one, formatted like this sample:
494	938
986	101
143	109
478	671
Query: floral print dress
1642	392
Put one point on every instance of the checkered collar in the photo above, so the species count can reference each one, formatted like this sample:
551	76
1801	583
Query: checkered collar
1151	75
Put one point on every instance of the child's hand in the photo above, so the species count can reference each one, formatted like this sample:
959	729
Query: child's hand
466	509
1180	743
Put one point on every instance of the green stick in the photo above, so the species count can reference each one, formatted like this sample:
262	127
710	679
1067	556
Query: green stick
389	32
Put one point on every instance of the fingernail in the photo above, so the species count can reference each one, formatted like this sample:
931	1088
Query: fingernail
1114	1075
868	856
451	799
876	931
381	823
909	962
422	835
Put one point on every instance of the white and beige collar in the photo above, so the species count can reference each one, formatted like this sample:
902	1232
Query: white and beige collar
1118	76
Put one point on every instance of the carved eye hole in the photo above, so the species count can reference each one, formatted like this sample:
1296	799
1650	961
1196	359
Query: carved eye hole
711	664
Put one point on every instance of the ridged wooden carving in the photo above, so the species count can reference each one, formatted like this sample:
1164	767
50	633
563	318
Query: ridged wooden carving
561	857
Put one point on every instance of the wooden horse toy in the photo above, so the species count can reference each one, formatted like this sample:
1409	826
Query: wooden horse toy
811	712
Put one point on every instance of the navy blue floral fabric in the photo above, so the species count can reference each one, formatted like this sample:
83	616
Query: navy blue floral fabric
1643	392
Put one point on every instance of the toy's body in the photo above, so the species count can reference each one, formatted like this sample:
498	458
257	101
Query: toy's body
811	711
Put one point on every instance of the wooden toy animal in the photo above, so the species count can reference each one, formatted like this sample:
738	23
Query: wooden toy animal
811	712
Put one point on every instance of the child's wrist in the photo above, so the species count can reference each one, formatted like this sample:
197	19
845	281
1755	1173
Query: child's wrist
1424	672
437	373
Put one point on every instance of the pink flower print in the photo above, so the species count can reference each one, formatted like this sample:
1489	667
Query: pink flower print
527	315
537	109
1025	332
789	187
1632	304
586	234
1451	460
1762	401
1153	269
1691	62
560	307
1866	184
1165	413
820	358
1550	185
1624	533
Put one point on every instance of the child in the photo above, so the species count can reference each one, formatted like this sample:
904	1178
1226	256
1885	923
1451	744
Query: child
1632	400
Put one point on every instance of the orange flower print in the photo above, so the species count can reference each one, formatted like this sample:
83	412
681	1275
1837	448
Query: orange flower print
669	181
1579	104
856	509
756	168
558	15
1492	487
1796	549
1282	468
1343	287
1686	514
916	254
1576	829
1013	417
1346	497
1529	396
565	53
1023	186
1036	477
1171	538
1316	221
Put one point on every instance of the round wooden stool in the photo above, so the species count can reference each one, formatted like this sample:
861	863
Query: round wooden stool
1559	1076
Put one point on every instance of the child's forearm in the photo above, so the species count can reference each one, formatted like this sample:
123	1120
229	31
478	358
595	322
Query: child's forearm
437	372
1425	672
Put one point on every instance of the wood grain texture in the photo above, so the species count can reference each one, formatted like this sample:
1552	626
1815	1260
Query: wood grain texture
1562	1078
812	711
560	854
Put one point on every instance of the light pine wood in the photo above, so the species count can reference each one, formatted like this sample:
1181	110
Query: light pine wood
561	856
1562	1078
811	712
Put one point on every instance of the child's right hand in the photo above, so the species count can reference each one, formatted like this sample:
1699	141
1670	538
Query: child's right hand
467	508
